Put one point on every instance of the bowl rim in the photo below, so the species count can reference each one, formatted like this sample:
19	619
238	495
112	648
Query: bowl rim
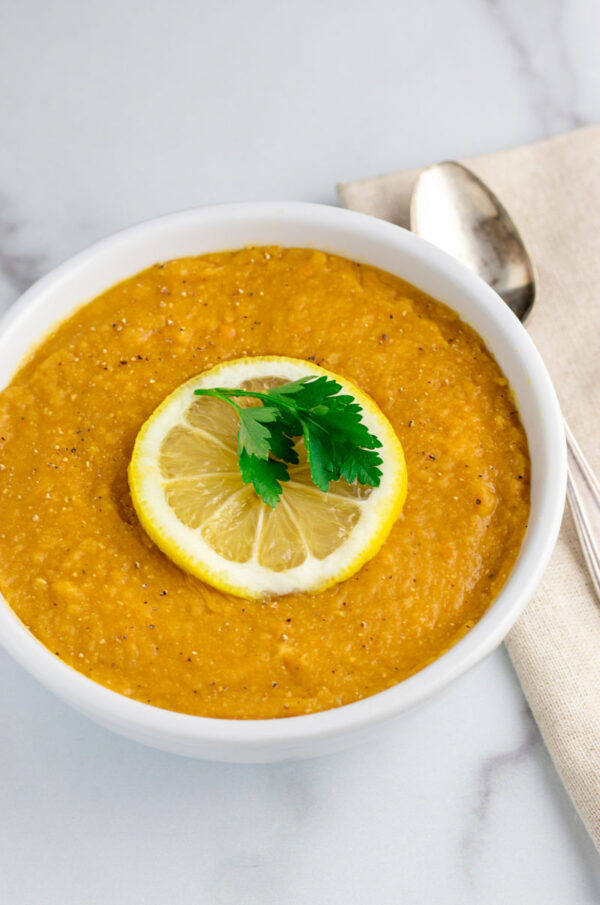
112	708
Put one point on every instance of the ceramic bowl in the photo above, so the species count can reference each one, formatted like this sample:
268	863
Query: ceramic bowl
363	239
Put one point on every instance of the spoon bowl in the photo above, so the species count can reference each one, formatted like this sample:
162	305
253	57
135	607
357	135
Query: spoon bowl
456	211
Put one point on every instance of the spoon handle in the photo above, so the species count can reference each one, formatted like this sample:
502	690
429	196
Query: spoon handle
583	492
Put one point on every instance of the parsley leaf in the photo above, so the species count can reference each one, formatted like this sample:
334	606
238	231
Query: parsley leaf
338	442
265	475
254	436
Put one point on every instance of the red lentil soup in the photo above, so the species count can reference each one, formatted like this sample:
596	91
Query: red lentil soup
82	575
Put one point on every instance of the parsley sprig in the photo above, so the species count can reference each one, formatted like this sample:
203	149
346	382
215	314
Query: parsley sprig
338	443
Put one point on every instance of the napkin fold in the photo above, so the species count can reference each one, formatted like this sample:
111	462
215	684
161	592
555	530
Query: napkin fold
552	190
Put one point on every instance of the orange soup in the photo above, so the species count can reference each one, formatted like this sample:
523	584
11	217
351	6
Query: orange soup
82	575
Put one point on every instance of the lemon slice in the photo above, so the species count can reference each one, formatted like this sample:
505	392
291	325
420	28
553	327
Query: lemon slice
189	495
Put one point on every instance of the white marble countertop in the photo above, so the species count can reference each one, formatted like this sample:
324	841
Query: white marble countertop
120	110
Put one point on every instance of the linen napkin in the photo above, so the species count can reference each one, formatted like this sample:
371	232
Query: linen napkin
552	190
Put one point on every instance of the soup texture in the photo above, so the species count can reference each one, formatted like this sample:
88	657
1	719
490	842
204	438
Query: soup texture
82	575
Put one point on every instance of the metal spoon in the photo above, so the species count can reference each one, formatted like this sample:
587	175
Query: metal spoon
455	210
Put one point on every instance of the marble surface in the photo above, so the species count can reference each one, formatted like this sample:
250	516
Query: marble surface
118	111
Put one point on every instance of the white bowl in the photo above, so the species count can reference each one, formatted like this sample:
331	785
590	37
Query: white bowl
360	238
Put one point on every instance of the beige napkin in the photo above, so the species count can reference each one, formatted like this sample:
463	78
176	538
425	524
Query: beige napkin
552	189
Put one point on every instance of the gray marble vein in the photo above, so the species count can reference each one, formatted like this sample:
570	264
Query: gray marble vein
535	36
493	772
